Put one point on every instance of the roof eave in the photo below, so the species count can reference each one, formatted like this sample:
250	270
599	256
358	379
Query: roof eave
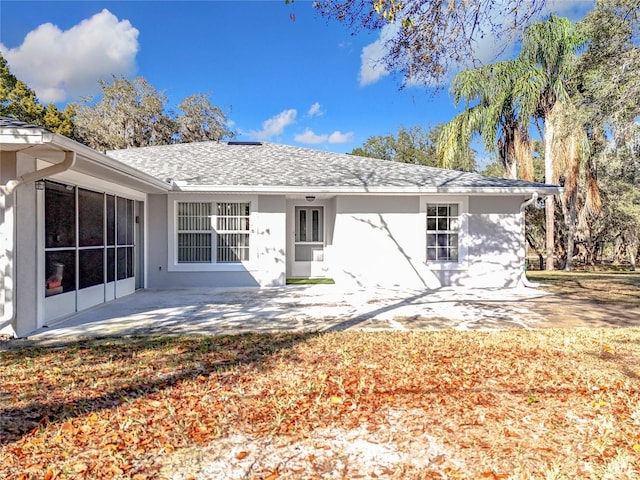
25	136
287	189
33	137
108	162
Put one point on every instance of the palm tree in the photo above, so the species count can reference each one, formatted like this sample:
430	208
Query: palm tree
491	111
502	99
550	49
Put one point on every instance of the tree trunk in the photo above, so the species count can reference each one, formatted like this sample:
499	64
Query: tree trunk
571	244
549	205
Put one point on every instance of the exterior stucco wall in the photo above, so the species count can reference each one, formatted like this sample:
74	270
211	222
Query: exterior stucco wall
266	268
22	262
380	241
7	172
27	302
495	244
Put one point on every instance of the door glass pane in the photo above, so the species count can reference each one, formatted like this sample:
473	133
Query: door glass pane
60	272
90	218
91	267
124	263
111	264
121	271
111	220
315	226
130	221
60	215
121	221
302	225
129	262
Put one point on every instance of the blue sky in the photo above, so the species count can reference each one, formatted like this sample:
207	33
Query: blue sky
282	72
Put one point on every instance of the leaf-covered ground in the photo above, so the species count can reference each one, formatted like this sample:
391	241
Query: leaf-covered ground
446	404
608	287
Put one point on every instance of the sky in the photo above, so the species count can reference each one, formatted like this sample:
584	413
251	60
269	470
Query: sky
281	72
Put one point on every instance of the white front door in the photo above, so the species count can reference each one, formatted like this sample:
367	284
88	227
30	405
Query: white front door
309	242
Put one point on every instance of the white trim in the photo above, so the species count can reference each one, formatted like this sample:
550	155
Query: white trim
315	269
463	231
145	244
284	189
172	221
34	136
88	182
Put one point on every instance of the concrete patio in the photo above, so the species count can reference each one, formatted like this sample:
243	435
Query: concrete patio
326	308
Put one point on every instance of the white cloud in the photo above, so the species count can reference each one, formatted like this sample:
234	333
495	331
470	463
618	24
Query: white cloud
574	10
372	67
315	110
311	138
339	137
60	65
275	125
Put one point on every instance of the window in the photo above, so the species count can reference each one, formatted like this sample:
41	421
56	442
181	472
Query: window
124	238
442	232
60	238
232	227
60	218
86	233
194	232
205	227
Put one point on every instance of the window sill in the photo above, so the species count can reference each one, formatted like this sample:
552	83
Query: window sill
210	267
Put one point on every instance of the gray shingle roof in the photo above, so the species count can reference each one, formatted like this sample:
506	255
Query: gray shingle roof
273	165
8	122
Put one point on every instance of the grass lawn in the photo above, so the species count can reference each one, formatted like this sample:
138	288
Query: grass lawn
310	281
604	287
443	404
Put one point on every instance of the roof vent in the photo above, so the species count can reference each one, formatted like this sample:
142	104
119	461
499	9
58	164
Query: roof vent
244	143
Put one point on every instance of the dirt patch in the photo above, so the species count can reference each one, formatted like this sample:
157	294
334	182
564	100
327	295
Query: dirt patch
399	449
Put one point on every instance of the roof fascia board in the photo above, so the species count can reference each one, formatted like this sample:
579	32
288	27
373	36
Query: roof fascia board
542	190
107	162
40	136
24	136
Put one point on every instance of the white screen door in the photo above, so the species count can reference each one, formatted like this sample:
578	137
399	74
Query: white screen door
308	242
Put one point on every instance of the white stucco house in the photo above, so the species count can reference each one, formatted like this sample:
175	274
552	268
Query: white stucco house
80	227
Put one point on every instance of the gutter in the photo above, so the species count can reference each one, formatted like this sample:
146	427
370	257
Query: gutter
108	162
69	161
523	278
182	186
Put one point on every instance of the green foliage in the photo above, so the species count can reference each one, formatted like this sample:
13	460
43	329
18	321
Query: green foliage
414	145
492	113
133	113
129	114
618	224
201	120
18	101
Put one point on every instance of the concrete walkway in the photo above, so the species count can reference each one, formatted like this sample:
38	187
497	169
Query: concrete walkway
302	308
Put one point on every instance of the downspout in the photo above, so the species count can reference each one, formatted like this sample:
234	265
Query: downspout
69	162
9	314
523	276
